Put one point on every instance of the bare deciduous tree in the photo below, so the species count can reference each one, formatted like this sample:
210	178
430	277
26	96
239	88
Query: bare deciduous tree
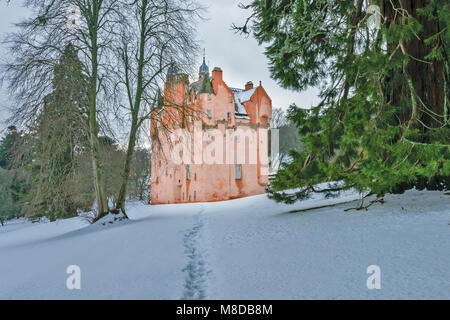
160	33
37	46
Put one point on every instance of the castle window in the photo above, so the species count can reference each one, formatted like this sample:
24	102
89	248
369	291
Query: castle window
209	113
228	115
188	172
238	169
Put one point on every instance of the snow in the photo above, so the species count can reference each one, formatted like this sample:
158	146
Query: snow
242	96
250	248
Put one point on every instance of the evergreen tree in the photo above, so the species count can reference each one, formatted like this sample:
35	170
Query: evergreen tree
59	134
382	125
7	209
10	206
8	144
14	175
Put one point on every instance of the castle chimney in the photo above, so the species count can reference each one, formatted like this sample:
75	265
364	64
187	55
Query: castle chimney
217	74
249	85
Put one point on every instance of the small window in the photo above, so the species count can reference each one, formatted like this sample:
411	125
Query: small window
195	195
183	195
174	88
209	113
174	101
209	96
231	99
238	171
237	139
175	117
199	114
167	170
157	179
228	115
188	172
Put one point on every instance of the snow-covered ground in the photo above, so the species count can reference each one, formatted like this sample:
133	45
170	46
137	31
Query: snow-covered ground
250	248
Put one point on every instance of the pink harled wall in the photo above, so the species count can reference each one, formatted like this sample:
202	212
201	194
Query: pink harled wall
211	182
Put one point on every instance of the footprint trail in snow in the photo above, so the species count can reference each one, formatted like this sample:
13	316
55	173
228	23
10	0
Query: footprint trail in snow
196	269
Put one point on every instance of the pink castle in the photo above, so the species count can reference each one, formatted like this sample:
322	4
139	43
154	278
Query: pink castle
227	144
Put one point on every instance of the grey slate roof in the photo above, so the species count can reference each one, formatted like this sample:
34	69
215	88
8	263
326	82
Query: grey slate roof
204	68
172	70
241	96
203	85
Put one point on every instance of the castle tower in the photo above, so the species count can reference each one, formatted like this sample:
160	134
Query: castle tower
175	87
230	126
204	69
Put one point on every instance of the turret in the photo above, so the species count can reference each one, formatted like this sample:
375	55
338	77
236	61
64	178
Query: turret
204	69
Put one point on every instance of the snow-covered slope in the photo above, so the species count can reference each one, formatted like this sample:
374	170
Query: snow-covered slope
250	248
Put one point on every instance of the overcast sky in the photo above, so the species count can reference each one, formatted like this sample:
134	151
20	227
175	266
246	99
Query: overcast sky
240	58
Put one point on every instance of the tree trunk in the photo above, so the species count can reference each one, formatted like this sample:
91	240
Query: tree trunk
120	203
424	80
99	184
427	78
